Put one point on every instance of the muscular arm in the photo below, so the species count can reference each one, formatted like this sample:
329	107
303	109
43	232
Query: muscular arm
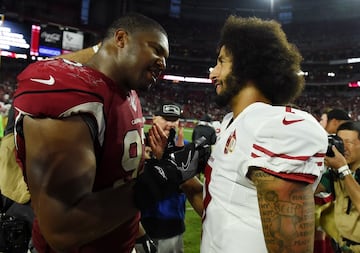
193	189
287	213
60	167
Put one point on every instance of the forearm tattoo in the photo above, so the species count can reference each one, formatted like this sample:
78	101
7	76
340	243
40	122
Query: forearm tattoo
287	213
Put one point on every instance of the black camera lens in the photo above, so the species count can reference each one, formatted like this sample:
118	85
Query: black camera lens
334	140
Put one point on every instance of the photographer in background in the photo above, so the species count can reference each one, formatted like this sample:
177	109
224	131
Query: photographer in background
324	117
343	181
330	120
335	118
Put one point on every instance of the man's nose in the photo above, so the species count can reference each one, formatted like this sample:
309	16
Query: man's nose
213	73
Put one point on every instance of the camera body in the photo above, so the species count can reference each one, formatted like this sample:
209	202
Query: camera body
334	140
14	234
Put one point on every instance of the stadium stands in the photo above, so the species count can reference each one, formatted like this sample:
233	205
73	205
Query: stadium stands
325	46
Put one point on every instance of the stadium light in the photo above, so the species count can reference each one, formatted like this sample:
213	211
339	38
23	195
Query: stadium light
173	78
353	60
354	84
302	73
186	79
197	80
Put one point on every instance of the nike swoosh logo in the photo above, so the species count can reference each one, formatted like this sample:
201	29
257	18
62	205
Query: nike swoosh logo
186	165
161	172
50	81
288	122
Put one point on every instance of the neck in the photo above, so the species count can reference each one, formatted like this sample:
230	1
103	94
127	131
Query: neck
245	97
103	61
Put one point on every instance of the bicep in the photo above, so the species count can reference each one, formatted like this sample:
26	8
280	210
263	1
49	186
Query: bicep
287	212
60	161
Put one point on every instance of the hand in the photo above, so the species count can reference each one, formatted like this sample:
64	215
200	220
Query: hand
158	140
204	152
163	177
146	244
171	146
188	159
337	161
208	132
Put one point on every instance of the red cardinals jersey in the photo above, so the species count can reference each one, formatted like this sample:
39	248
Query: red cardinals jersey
60	88
288	143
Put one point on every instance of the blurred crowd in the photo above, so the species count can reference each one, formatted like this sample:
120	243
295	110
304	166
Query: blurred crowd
196	99
193	51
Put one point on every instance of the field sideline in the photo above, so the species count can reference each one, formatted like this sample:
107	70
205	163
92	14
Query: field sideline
192	233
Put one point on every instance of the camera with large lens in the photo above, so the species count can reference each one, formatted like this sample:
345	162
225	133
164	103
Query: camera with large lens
334	140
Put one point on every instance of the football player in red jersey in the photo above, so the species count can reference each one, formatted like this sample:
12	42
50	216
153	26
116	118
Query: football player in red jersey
80	139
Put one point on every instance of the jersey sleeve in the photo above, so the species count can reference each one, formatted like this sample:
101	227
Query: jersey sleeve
293	151
56	89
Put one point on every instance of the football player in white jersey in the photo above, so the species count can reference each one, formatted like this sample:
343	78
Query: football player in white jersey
260	178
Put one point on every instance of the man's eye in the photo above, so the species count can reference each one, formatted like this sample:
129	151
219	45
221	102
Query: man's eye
157	50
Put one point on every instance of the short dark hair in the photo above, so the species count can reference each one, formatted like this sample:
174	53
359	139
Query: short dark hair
134	22
206	117
338	114
350	125
262	54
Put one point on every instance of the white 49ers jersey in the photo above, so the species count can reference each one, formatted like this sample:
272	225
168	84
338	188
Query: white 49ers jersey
287	142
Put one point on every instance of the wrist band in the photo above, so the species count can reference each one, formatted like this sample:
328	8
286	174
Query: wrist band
343	168
345	173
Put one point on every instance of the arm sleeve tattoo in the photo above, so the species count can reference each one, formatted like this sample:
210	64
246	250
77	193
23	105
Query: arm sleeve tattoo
287	213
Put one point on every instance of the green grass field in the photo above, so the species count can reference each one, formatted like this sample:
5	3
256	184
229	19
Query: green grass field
188	133
192	230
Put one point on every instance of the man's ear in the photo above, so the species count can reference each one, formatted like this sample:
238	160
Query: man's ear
121	38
